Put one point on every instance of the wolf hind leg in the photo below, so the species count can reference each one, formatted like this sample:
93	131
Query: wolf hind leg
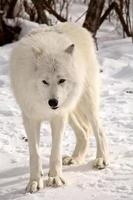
82	136
102	152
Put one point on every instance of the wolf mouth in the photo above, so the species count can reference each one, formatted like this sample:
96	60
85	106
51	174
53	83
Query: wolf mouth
54	108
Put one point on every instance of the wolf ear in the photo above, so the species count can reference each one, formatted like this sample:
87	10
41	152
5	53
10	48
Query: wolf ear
70	49
37	51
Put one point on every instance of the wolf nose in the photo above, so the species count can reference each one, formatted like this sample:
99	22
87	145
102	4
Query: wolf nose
53	102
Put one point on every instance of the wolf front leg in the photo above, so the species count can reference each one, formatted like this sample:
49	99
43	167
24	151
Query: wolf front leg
32	128
55	178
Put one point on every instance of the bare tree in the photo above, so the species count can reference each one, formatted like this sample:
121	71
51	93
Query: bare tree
122	10
7	33
97	14
41	11
45	5
42	17
10	10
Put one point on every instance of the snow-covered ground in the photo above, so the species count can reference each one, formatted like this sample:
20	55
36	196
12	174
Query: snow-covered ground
84	183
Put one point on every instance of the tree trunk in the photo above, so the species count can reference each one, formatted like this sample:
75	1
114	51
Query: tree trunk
2	40
42	18
10	11
93	15
44	5
7	33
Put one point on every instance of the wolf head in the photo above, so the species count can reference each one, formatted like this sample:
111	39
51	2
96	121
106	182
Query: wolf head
57	78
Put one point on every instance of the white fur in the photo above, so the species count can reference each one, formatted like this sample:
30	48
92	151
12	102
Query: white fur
47	54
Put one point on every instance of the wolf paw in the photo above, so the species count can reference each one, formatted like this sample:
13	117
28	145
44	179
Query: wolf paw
69	160
55	181
100	163
35	185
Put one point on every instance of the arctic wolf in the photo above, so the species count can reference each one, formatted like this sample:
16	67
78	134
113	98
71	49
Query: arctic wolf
55	77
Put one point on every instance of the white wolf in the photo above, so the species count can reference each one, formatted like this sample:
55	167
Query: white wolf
55	77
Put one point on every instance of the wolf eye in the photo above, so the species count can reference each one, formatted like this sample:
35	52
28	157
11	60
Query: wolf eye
45	82
61	81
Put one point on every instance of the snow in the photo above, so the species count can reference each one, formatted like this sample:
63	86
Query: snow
84	183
